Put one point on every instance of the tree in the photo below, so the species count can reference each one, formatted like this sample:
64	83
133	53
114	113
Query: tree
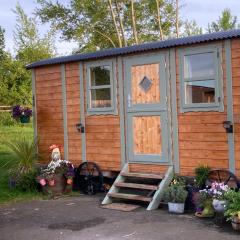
99	24
15	80
191	28
2	42
30	46
225	22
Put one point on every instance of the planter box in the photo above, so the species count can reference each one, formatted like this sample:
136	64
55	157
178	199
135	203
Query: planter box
176	207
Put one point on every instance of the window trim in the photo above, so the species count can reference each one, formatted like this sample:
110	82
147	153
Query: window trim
103	110
218	77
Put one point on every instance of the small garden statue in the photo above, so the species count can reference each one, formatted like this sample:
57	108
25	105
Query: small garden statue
58	173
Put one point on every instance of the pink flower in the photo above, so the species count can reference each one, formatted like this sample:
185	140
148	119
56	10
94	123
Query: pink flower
43	182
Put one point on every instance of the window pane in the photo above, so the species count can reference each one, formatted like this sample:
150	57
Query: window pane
100	75
101	98
199	65
200	91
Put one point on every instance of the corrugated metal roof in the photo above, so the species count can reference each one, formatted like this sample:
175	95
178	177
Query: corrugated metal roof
139	48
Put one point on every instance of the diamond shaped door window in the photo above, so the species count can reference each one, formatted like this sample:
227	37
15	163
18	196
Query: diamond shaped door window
145	84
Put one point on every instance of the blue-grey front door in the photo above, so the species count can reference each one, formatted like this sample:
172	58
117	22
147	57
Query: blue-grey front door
147	136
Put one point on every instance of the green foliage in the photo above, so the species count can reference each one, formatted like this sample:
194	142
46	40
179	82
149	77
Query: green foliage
91	24
6	119
27	181
225	22
176	192
232	208
15	80
191	28
2	43
201	175
23	152
10	134
30	46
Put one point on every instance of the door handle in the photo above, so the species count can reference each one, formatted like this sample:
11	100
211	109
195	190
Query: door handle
80	127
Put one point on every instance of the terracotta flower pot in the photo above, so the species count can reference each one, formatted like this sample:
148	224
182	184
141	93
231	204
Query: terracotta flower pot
69	181
51	182
236	223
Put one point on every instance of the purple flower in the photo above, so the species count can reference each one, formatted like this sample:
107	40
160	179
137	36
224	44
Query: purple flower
18	111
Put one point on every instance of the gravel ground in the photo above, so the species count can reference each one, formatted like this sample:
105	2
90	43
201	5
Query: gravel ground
82	217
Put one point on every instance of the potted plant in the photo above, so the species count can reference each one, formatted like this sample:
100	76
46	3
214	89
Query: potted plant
203	200
219	191
22	114
232	208
56	173
201	173
175	195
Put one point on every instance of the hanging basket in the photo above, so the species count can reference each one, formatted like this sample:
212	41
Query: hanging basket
24	119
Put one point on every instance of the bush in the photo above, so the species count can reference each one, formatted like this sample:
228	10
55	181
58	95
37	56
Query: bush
176	192
202	173
6	119
27	182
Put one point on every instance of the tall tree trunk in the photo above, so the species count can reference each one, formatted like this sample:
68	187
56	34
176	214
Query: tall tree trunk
121	24
115	23
177	18
134	22
159	21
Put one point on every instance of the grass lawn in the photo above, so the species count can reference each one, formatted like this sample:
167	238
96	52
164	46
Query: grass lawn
6	134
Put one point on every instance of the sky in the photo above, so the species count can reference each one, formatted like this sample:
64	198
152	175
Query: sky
203	11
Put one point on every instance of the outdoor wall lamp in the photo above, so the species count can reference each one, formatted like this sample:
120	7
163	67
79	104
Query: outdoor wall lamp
228	126
80	127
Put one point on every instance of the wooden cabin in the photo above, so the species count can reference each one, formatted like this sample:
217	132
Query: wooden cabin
172	104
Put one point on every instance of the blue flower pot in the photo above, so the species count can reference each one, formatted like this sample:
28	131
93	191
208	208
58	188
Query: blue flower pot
24	119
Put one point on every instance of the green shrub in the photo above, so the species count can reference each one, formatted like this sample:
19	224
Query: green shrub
232	208
6	119
176	192
27	181
202	173
24	156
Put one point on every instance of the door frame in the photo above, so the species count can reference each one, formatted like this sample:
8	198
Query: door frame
154	109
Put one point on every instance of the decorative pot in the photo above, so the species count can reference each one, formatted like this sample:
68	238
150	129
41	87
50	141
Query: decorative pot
51	182
219	205
236	223
69	181
24	119
42	182
176	207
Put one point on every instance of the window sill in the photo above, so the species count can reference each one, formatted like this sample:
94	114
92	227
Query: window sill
202	108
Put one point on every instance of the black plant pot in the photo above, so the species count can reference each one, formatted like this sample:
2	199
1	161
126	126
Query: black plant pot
190	204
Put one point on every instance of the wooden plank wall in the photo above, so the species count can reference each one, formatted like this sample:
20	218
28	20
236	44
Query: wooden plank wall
49	109
73	113
103	137
202	138
236	99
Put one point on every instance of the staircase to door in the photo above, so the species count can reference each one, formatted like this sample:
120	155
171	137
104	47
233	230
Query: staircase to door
139	187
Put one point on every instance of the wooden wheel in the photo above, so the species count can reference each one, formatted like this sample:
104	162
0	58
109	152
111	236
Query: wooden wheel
89	178
225	176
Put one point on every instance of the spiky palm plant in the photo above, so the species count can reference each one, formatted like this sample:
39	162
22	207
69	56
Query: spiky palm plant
24	154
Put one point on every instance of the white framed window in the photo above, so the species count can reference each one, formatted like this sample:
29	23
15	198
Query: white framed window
201	79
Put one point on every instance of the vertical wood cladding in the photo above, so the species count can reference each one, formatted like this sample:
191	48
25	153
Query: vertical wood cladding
103	137
73	113
236	99
202	138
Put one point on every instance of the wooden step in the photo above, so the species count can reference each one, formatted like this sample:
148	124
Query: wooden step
143	175
130	197
136	186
